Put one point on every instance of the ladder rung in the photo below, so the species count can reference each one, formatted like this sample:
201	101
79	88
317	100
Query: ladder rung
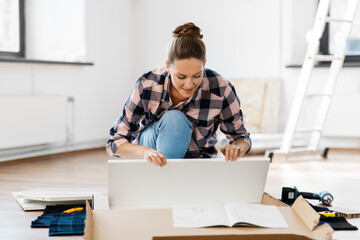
326	58
330	19
318	95
305	130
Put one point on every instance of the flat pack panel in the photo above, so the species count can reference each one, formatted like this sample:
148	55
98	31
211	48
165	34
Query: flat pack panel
186	181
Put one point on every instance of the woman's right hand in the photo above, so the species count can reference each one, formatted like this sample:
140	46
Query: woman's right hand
152	155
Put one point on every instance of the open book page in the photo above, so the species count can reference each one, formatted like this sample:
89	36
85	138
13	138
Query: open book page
244	214
204	215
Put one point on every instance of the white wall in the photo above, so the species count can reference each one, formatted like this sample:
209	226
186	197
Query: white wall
56	30
234	33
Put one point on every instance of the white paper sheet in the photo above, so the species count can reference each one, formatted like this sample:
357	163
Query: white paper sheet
228	214
256	214
192	216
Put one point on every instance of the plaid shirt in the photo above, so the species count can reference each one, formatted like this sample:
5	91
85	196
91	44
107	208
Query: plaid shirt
214	103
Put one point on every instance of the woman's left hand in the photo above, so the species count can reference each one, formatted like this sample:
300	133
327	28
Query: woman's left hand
235	150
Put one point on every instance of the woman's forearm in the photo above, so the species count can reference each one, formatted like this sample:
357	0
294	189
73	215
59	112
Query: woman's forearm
243	143
129	150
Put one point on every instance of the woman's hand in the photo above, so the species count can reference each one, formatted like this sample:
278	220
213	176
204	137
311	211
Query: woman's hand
152	155
235	150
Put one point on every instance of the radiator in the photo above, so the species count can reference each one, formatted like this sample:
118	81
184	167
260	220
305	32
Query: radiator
34	120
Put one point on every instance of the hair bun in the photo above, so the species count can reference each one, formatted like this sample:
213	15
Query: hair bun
187	29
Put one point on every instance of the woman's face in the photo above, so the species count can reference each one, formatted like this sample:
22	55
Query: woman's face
186	76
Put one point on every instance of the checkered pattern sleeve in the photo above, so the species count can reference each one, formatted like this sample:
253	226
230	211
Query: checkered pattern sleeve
231	117
128	123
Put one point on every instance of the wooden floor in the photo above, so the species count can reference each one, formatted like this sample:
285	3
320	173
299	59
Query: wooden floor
340	175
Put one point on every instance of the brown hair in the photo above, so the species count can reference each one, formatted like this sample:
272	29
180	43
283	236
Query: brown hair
187	43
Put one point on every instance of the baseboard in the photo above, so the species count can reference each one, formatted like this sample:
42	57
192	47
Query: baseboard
47	149
263	142
340	142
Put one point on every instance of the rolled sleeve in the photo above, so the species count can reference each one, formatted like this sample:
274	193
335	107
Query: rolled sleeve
231	118
128	123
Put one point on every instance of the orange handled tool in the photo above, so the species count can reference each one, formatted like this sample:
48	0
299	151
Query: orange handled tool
72	210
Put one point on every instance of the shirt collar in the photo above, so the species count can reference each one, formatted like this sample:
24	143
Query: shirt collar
195	98
166	92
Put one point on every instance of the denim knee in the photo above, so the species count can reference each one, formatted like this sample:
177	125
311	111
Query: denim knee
173	132
175	121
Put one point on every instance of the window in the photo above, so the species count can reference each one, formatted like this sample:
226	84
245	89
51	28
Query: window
333	29
12	28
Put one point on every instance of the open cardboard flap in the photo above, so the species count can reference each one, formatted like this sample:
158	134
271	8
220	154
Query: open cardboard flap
105	223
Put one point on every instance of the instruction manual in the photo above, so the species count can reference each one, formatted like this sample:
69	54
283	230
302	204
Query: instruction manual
231	214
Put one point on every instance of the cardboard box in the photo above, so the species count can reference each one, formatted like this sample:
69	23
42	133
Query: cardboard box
145	224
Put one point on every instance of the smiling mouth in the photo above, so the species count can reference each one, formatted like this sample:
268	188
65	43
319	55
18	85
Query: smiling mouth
187	90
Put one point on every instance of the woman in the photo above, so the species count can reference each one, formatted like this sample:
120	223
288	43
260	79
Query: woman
174	112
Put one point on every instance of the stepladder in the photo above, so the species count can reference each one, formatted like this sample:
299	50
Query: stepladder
325	95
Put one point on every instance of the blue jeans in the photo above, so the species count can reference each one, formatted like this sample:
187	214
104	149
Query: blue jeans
170	135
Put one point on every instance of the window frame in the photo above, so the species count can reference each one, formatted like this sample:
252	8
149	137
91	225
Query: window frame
324	46
21	53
